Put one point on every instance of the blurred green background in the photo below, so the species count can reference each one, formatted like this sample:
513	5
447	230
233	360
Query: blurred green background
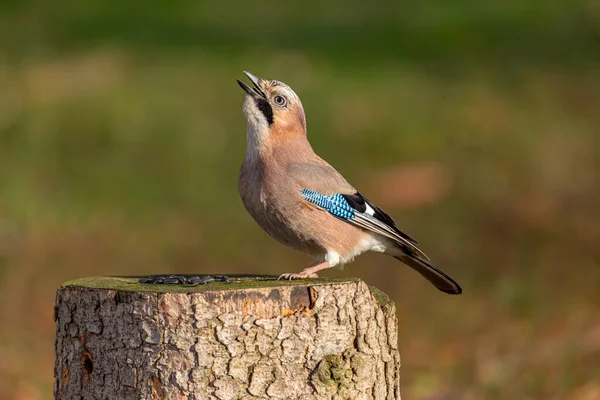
474	123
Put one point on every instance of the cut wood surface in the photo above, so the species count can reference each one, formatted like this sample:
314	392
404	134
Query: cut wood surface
250	338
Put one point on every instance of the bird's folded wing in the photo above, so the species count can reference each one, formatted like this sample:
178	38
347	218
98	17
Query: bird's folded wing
319	176
321	185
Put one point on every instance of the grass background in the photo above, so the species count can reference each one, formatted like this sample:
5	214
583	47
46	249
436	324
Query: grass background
474	123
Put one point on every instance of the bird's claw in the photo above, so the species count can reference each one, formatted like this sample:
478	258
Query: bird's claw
300	275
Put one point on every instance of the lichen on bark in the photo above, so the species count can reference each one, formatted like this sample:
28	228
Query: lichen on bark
313	339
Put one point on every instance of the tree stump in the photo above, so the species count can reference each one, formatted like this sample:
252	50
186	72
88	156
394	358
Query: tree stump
250	338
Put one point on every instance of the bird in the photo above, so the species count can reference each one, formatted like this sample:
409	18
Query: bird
303	202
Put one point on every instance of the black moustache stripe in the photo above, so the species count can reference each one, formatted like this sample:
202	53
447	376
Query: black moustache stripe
264	107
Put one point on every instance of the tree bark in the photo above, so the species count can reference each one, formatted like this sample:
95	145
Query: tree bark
252	338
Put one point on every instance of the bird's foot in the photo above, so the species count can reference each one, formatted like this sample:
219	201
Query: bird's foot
310	272
300	275
183	280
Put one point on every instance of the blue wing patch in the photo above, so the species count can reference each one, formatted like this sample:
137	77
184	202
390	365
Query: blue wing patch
336	204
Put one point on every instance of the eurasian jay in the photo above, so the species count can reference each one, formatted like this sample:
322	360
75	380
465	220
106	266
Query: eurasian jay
303	202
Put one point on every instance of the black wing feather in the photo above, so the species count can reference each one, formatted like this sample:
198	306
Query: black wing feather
356	201
359	203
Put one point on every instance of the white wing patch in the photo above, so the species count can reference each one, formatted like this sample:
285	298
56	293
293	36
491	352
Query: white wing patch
369	210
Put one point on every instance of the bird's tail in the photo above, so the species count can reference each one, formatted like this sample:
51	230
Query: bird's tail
439	279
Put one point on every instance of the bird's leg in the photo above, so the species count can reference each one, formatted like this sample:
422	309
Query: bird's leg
310	272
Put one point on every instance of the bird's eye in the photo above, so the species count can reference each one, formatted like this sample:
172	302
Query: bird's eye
279	100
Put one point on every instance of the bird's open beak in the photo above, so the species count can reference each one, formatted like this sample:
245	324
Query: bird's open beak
256	90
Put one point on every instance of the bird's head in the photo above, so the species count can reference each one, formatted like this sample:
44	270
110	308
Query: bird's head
273	111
